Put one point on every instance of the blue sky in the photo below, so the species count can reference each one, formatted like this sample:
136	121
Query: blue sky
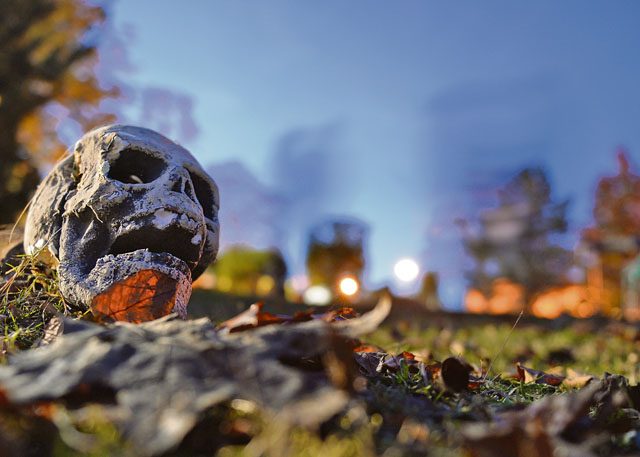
419	108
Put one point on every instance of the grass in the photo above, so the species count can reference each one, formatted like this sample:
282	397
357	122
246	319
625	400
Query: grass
585	349
29	298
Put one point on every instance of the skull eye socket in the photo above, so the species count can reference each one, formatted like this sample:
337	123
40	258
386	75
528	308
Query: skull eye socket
204	194
134	166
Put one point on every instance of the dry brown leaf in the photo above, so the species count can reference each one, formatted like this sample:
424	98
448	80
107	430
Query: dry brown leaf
455	373
576	380
250	318
254	317
142	297
526	374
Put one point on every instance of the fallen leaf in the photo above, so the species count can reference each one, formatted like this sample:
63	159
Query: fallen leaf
157	380
143	296
554	425
340	314
254	317
366	347
391	363
455	373
51	331
576	380
526	375
368	362
250	318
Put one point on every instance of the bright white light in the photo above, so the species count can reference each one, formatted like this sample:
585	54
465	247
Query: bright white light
349	286
406	270
317	295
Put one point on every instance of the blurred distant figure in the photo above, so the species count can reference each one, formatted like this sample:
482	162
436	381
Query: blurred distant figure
428	294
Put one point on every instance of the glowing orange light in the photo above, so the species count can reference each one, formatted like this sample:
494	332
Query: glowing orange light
507	297
476	302
349	286
546	307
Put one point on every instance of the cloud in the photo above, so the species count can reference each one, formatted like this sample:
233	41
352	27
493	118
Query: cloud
307	182
308	173
249	209
168	112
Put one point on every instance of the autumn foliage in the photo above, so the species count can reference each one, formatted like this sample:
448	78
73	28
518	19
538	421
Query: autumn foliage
47	69
142	297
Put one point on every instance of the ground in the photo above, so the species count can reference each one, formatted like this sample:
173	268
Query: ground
421	384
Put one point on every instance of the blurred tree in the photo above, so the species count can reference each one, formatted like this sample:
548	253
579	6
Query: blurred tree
514	239
245	271
46	64
607	248
617	207
335	250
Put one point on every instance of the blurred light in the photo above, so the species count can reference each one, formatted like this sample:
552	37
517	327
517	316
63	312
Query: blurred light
546	307
476	302
576	275
349	286
265	285
299	283
507	297
207	280
317	295
406	270
225	283
244	406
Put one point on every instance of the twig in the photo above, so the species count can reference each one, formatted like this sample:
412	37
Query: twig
504	344
22	213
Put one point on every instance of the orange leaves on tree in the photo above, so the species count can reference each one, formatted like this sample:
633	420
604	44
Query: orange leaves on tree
144	296
48	70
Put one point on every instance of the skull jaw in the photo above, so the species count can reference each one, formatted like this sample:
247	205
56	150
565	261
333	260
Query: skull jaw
133	286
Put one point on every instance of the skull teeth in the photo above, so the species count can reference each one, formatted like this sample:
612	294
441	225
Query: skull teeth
172	240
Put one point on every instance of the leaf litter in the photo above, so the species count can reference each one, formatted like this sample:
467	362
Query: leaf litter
173	387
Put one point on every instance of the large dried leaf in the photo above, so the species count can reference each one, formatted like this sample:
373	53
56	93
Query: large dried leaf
157	378
570	425
255	316
142	297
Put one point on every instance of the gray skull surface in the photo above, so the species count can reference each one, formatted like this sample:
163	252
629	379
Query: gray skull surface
126	200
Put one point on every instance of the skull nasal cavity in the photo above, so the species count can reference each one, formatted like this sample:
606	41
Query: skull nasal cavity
204	194
134	166
183	185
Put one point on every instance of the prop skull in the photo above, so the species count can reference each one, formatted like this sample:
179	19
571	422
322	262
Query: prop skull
128	200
